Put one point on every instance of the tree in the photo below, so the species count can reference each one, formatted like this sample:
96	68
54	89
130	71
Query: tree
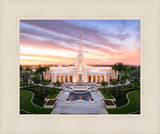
21	68
135	75
45	82
29	70
36	79
104	83
46	67
25	76
115	67
57	83
123	79
115	83
119	67
40	71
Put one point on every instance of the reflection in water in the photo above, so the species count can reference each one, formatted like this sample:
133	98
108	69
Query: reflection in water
80	96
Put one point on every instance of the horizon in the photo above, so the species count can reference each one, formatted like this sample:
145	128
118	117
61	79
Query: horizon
104	42
74	64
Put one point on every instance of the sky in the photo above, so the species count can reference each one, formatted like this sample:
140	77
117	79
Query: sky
104	42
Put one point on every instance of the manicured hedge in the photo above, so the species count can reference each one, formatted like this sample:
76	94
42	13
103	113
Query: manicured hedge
53	93
121	99
133	106
26	105
106	93
51	102
40	93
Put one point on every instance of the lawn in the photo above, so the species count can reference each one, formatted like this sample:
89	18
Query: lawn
133	106
133	84
25	104
40	93
53	93
24	84
122	99
106	93
110	93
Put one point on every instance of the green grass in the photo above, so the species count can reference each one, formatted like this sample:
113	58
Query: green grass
24	84
40	93
25	104
106	93
53	93
120	101
133	106
133	84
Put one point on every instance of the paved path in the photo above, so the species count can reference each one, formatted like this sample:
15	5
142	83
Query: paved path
79	106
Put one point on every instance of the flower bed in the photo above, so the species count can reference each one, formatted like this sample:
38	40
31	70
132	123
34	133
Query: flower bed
51	102
108	102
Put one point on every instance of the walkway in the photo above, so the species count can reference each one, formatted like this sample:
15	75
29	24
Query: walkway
79	106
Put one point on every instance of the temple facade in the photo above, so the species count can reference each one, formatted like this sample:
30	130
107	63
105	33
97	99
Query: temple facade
80	72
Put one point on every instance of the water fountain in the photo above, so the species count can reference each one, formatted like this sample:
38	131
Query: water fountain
80	91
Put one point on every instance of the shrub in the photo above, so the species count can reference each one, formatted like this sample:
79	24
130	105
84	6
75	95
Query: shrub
53	92
57	83
36	79
108	102
45	82
104	83
67	99
106	93
40	93
111	80
51	102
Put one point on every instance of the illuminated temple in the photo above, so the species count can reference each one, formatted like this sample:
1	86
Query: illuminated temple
80	72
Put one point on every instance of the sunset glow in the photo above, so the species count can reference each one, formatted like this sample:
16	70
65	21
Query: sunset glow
104	42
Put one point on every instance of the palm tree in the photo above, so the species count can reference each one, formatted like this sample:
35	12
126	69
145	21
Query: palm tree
40	71
115	83
123	79
135	75
119	67
44	83
115	67
21	68
103	83
36	79
25	76
29	70
45	69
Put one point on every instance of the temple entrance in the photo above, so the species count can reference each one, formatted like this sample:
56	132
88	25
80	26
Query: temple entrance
98	79
71	78
89	79
80	77
66	78
62	79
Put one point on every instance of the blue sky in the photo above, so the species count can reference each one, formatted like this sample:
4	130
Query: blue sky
106	41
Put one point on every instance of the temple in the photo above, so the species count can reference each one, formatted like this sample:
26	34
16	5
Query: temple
80	72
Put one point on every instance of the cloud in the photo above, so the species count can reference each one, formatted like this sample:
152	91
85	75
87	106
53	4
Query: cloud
102	40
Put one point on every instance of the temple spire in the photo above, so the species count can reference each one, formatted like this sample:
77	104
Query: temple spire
80	47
